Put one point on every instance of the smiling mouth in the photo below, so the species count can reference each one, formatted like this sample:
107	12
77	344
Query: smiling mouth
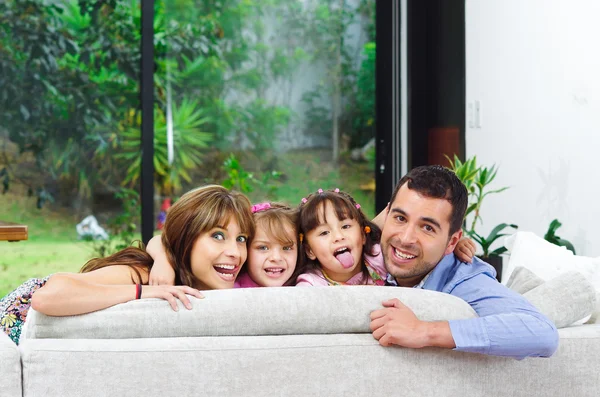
401	255
274	272
227	272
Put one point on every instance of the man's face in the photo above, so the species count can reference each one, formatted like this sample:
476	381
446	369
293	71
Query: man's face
415	236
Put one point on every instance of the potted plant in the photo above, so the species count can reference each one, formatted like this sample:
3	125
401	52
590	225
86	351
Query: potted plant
477	180
551	236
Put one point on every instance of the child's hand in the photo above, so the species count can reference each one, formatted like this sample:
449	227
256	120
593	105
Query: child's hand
465	250
161	273
379	220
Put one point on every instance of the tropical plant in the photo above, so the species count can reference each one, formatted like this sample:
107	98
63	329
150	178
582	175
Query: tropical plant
189	140
240	179
554	239
477	180
486	242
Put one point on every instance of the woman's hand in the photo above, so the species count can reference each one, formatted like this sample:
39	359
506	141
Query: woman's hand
465	250
171	294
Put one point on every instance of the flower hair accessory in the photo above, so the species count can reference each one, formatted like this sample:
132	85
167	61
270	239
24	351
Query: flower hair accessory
260	207
320	191
301	237
357	206
304	200
336	190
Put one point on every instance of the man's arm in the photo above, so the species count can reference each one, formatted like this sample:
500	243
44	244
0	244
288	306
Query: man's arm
508	325
396	324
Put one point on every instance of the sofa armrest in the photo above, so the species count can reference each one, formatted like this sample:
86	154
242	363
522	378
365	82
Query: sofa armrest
10	367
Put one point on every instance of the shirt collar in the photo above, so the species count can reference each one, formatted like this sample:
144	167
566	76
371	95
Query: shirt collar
391	281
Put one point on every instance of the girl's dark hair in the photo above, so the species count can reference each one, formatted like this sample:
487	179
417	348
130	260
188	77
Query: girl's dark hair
311	213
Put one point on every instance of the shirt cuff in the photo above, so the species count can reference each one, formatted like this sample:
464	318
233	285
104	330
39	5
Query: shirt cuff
470	335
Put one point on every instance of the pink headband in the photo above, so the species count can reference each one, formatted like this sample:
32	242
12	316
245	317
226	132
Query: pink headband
260	207
304	200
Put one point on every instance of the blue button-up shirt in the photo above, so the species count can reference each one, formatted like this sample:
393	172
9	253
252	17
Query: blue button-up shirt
508	325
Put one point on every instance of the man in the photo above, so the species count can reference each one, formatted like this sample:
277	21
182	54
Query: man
421	229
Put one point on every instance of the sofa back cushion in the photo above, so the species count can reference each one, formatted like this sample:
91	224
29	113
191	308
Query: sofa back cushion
251	311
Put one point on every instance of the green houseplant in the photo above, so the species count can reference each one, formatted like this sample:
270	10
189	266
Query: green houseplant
554	239
477	180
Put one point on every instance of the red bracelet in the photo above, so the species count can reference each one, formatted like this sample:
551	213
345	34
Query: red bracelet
138	291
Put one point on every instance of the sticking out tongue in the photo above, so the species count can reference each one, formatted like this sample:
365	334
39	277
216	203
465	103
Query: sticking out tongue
345	259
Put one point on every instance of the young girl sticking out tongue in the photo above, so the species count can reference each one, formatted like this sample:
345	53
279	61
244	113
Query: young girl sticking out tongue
272	251
340	246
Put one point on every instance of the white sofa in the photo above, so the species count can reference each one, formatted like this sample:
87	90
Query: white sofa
277	342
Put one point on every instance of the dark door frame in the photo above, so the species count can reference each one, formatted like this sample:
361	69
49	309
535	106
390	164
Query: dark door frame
435	86
147	133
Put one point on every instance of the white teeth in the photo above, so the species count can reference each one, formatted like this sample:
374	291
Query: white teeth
228	267
227	275
337	251
403	256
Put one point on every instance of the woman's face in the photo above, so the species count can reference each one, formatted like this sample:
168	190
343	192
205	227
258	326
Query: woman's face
217	256
271	263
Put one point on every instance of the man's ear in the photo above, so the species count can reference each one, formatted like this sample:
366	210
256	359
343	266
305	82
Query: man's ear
454	239
309	253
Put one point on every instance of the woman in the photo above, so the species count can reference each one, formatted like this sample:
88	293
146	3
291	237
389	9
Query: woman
204	237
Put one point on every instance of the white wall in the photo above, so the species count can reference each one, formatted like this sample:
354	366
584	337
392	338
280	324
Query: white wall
534	67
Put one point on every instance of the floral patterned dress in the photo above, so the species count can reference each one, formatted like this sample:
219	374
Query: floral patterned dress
15	306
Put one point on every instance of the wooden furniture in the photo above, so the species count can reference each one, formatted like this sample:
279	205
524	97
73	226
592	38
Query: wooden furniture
12	232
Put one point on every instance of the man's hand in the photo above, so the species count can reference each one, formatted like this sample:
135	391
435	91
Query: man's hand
396	324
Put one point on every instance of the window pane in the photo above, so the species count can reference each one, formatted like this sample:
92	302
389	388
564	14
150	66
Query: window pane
275	98
69	134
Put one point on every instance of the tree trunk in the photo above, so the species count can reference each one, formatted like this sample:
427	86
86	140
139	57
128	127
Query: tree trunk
337	89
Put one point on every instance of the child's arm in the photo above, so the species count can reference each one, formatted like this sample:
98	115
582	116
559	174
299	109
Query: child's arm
162	272
379	220
465	250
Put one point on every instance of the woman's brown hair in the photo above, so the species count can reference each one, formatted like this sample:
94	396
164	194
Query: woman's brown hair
196	212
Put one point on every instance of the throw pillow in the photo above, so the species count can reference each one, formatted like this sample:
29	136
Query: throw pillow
522	280
547	260
564	299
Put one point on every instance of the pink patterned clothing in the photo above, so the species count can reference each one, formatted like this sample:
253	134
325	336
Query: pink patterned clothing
375	267
15	306
244	281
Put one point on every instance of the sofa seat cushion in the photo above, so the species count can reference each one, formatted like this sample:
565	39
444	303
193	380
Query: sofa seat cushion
254	311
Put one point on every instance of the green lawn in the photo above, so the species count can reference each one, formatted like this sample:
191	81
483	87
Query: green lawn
53	246
23	260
